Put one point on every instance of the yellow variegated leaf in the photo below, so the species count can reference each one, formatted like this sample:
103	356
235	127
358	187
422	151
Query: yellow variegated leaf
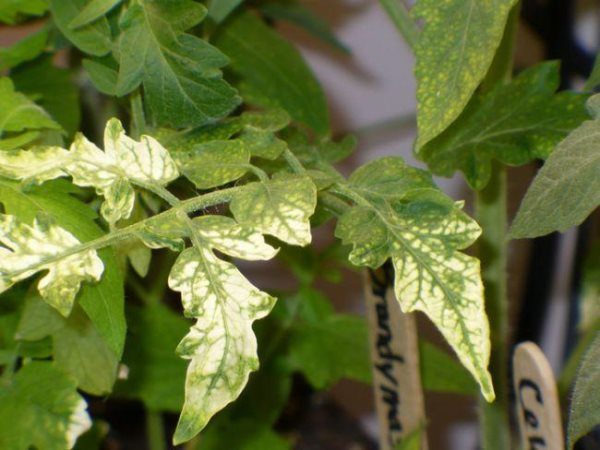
280	207
221	345
406	220
111	172
36	165
29	249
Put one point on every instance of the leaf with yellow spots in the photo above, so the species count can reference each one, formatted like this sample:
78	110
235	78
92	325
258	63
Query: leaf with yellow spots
514	123
422	233
111	172
44	246
280	207
221	345
454	52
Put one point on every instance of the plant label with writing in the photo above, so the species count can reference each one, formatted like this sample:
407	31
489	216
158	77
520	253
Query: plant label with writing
537	400
395	359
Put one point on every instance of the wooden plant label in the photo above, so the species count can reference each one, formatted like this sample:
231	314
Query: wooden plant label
538	408
395	360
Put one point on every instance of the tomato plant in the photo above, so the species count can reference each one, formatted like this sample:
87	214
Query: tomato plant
148	147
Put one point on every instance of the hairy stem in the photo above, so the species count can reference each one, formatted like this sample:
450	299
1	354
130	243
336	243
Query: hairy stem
492	216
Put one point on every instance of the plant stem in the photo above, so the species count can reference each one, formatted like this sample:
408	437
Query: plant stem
492	216
400	17
138	117
155	431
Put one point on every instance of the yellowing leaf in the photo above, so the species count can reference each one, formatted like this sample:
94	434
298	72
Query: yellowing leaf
29	249
280	207
422	234
454	52
221	345
111	172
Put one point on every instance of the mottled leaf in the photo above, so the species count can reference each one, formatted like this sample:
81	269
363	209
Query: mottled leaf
29	249
103	301
41	408
221	346
422	235
454	52
280	207
214	163
514	123
567	189
180	72
585	404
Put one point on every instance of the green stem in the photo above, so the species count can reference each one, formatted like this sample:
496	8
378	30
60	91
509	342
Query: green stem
155	431
400	17
492	216
138	117
293	162
123	234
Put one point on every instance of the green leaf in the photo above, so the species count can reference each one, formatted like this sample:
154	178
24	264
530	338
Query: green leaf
214	163
301	16
103	73
325	346
218	10
94	10
280	207
19	114
94	38
269	65
422	233
81	351
567	189
29	249
180	72
12	10
585	404
441	373
103	301
221	345
41	408
54	90
454	52
156	374
25	50
514	123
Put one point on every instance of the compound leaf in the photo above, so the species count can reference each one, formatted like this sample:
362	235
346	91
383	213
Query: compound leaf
454	52
220	9
41	408
180	72
221	346
567	189
273	73
94	38
29	249
92	12
514	123
422	233
280	207
25	50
